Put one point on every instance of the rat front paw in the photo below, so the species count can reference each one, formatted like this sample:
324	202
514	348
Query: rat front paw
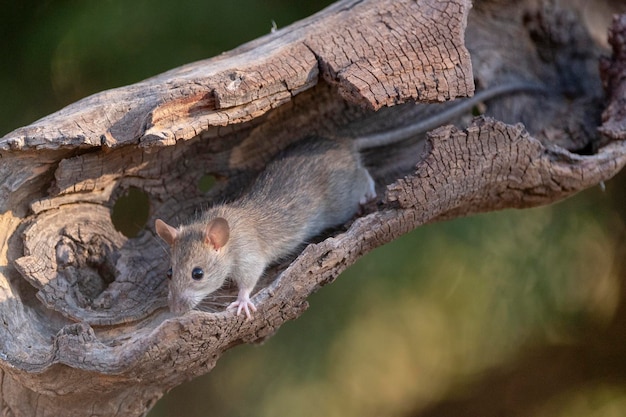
243	303
370	194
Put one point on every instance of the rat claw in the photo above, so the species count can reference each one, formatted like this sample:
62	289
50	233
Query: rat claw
246	307
243	303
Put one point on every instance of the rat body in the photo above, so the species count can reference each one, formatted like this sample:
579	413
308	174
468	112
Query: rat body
313	185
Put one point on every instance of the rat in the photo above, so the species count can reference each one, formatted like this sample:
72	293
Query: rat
313	185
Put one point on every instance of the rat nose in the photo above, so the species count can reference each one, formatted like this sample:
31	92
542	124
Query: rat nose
177	304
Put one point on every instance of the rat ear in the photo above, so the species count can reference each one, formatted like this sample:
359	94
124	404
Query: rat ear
166	232
217	233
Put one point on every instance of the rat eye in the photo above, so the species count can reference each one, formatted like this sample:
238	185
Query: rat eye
197	273
169	273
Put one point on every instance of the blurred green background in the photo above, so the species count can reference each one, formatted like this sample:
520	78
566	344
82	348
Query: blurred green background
509	313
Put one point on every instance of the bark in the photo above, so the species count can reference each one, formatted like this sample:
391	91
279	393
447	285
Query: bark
84	326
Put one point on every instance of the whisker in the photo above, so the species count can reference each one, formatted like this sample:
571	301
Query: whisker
204	306
213	304
208	310
214	296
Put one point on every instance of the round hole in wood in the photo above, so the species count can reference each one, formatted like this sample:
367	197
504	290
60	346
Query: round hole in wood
130	212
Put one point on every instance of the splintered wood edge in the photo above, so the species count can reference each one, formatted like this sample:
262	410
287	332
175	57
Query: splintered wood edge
376	54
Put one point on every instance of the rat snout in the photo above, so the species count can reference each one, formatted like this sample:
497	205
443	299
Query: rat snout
178	304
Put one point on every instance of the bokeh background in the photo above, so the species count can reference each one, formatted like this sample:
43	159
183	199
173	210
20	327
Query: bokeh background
508	313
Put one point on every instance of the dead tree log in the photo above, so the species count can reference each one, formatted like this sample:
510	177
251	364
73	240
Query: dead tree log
84	326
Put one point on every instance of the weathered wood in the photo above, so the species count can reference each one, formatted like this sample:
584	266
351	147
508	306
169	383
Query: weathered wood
85	329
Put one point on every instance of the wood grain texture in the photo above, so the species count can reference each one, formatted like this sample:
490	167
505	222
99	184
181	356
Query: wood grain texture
84	329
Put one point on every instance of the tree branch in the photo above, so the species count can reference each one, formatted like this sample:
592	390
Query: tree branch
83	306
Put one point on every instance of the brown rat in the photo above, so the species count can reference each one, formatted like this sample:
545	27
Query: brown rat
313	185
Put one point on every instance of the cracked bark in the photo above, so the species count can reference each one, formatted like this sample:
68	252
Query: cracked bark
84	326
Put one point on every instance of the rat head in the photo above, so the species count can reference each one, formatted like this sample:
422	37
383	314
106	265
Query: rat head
199	263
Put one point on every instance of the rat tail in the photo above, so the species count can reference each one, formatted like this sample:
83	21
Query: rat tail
454	110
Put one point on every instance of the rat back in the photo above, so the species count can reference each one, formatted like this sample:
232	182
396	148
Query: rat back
312	185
